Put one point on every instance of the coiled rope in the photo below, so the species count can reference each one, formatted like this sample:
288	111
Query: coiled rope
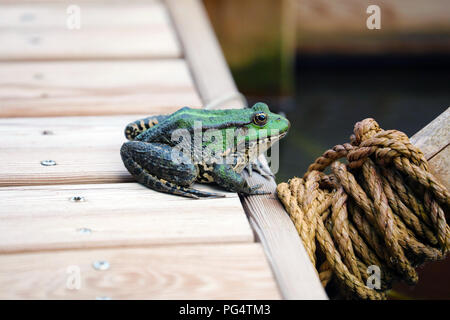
382	208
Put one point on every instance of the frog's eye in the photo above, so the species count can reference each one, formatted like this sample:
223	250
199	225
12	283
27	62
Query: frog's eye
260	118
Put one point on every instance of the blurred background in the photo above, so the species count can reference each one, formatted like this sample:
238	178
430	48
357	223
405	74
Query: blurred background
318	63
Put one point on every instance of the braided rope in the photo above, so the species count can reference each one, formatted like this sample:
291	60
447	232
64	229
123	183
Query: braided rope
383	208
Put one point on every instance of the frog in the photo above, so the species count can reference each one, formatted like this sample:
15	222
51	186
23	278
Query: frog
168	153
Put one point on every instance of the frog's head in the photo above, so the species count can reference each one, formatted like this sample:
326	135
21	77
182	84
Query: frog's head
261	130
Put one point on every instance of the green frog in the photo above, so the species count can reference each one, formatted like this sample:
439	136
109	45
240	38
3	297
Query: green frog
168	153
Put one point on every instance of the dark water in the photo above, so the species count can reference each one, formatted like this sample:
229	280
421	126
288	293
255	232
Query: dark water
331	97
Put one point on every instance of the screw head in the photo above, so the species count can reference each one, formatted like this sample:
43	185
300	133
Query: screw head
77	199
84	230
48	163
101	265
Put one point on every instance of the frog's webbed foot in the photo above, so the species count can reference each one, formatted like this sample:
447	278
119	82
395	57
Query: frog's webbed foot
258	167
254	190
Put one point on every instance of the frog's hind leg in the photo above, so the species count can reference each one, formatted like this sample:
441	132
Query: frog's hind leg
162	185
138	158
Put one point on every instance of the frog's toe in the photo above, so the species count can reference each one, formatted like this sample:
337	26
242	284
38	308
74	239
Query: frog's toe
257	167
255	190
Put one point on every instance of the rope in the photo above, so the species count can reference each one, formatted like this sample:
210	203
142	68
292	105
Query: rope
383	208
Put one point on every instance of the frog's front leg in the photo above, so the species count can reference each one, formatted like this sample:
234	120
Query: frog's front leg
152	165
258	167
226	177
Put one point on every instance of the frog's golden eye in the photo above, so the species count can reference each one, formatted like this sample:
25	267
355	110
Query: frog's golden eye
260	118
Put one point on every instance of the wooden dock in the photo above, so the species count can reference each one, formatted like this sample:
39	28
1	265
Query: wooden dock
73	224
65	97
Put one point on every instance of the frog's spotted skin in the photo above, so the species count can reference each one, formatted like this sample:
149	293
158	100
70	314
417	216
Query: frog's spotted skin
148	156
135	128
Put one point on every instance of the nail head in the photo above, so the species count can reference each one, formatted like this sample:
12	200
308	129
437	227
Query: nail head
84	230
48	163
101	265
77	199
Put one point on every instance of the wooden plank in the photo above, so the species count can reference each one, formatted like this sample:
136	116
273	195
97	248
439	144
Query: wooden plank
85	149
293	270
435	136
440	166
38	31
328	16
340	26
434	141
237	271
99	132
117	215
83	165
94	88
209	69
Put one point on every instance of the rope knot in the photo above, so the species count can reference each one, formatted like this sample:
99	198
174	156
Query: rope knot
383	208
364	130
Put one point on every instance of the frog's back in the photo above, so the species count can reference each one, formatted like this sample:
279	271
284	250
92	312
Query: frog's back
185	117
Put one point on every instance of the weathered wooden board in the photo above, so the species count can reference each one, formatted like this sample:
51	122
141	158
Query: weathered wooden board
229	271
434	141
100	132
73	165
440	166
31	89
435	136
209	68
85	149
125	214
108	29
340	26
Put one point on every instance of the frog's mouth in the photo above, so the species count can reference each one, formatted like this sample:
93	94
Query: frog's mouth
273	139
256	147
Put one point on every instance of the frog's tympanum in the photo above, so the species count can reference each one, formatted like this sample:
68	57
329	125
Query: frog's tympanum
169	153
